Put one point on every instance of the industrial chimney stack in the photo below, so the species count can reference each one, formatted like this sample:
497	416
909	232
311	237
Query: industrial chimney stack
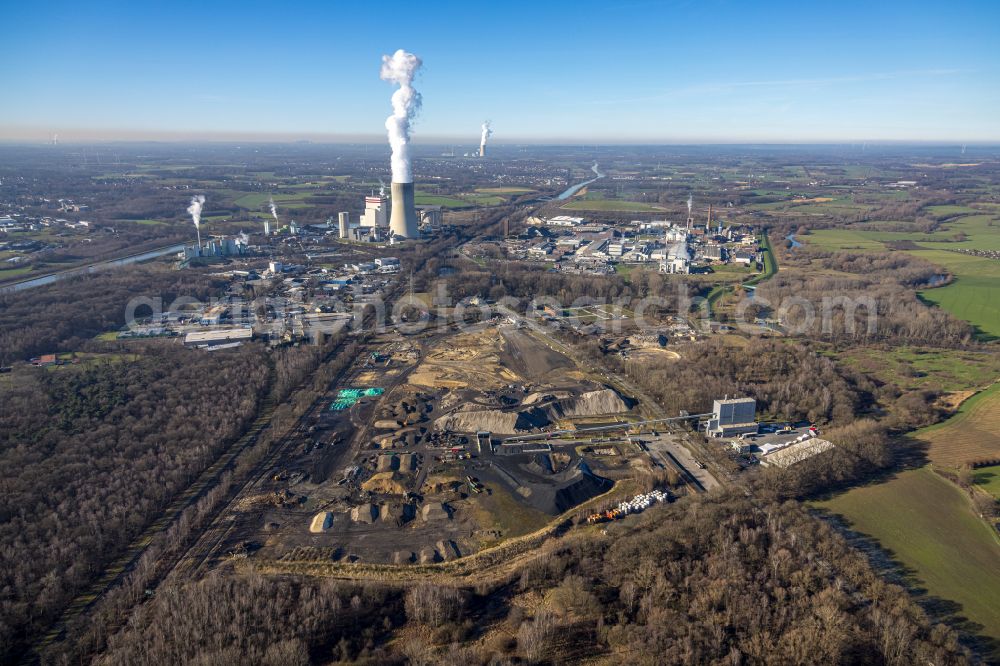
403	219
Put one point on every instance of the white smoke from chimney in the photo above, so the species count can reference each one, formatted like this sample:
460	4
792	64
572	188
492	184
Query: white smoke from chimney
274	210
197	201
487	133
400	68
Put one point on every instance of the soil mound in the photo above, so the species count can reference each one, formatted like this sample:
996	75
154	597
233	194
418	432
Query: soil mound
591	403
386	483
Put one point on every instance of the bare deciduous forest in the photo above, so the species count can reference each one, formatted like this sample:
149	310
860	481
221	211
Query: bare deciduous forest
90	455
715	579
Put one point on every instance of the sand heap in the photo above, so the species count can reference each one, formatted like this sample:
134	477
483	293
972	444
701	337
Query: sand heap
592	403
321	522
385	483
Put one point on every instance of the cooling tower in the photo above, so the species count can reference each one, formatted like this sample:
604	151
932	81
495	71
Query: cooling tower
482	149
403	220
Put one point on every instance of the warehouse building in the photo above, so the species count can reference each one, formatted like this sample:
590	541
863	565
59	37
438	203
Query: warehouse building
222	336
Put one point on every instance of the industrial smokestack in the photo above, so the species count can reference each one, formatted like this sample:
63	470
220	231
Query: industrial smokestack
400	68
274	214
197	201
344	223
403	219
487	133
708	223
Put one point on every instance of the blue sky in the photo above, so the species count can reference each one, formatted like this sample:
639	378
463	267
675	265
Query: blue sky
585	71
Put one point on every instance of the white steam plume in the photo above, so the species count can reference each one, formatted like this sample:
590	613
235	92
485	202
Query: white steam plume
400	68
274	210
487	132
690	203
197	201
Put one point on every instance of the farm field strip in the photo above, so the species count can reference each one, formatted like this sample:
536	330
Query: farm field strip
973	433
927	524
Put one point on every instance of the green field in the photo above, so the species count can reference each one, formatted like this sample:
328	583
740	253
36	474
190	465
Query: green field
145	222
422	199
732	270
950	210
928	525
256	200
611	205
8	273
982	232
988	478
484	199
913	368
504	190
834	240
971	296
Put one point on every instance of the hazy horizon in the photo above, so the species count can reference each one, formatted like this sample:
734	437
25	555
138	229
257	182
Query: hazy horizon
637	72
86	137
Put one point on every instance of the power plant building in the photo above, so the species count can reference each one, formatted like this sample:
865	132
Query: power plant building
732	416
343	224
376	212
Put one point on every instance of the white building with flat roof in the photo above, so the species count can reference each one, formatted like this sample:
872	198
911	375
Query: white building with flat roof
565	221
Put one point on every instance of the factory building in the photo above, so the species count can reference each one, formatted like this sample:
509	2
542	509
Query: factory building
713	252
565	221
376	212
675	235
387	264
219	247
431	217
732	416
677	259
343	223
218	337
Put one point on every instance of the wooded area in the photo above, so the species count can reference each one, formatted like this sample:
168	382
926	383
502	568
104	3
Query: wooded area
91	454
713	579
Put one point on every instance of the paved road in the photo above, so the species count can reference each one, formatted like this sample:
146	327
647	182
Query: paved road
666	445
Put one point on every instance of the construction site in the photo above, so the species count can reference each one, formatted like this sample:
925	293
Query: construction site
435	446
